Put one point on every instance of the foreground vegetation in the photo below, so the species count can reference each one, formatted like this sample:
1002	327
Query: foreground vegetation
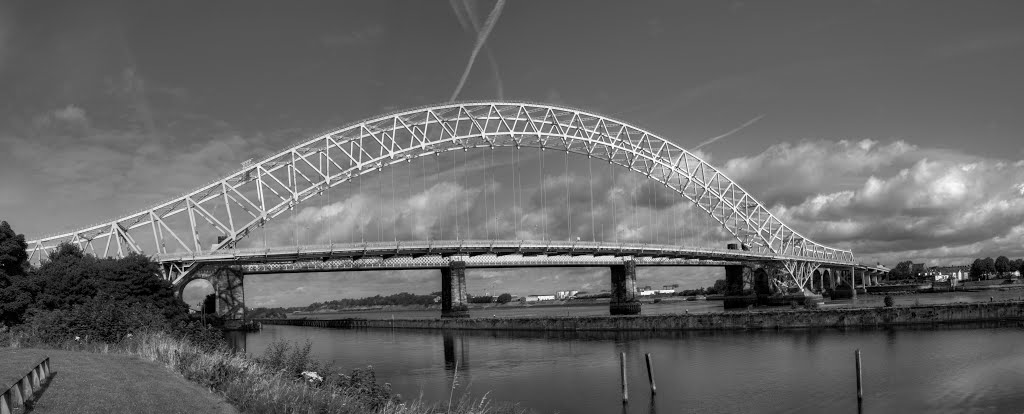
78	302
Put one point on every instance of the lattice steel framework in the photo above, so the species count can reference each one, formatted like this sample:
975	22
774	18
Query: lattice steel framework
261	191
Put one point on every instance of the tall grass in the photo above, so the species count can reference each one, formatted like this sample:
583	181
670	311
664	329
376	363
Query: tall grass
272	384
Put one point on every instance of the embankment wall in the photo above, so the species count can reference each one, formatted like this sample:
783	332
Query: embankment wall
738	320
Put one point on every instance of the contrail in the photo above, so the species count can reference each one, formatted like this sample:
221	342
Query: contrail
459	15
481	38
735	130
499	84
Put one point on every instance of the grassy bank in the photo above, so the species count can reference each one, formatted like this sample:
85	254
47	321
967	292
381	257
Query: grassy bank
254	385
91	382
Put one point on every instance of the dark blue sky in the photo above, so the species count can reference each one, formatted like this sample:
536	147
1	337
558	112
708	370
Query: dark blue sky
893	128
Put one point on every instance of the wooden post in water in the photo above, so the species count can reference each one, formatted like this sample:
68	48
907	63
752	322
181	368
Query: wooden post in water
650	374
860	386
625	386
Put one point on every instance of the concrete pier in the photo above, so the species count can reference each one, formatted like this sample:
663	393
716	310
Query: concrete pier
624	300
735	297
453	291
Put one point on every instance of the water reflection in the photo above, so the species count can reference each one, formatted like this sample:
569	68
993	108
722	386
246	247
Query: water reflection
455	354
237	340
952	369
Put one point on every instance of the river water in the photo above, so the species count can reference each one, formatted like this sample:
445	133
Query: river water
953	369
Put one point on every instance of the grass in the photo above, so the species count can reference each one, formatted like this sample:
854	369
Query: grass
132	376
15	363
85	382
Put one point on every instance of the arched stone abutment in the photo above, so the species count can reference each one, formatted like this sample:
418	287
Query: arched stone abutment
228	283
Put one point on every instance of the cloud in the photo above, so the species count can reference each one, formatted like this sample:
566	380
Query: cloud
70	118
890	202
71	114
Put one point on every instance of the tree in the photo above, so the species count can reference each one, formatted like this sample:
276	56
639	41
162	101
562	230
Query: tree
902	270
1020	269
988	266
504	298
1002	265
1015	266
719	287
15	287
13	253
209	304
977	269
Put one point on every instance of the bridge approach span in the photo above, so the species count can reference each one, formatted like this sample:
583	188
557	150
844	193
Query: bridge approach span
438	254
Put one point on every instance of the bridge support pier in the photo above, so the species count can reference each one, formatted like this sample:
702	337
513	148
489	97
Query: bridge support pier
624	300
228	287
453	290
736	277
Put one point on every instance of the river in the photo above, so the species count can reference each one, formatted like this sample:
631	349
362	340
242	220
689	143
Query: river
954	369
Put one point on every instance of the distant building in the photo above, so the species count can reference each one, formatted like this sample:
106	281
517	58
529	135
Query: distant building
944	273
565	294
649	292
538	298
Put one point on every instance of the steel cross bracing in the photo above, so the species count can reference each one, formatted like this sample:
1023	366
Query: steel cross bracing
238	204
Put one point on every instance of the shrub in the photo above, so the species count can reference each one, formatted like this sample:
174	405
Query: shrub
888	301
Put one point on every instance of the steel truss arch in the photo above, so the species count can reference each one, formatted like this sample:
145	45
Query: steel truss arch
266	189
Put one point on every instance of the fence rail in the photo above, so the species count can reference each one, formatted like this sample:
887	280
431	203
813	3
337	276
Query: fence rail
19	393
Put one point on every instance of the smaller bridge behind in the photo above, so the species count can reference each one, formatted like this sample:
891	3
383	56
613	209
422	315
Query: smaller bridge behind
226	268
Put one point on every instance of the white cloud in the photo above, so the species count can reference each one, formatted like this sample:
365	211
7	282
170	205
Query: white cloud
890	202
71	114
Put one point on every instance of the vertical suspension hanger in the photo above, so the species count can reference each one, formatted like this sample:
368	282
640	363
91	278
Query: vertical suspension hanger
590	176
487	227
543	197
494	194
423	170
362	226
515	198
394	204
380	196
437	176
455	177
651	208
568	199
615	208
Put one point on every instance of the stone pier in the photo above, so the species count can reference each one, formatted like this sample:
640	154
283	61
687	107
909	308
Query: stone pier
228	284
453	290
624	300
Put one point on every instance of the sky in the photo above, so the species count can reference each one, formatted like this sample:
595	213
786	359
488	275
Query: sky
892	128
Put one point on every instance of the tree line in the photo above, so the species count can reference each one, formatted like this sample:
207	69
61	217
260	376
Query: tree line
1001	266
73	294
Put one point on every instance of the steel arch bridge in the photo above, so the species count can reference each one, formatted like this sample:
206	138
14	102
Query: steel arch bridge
262	191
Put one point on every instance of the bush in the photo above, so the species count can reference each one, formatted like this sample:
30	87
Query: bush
888	301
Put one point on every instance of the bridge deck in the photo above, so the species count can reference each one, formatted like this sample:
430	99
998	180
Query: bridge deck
476	253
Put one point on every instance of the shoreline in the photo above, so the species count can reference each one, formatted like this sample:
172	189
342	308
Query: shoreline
776	319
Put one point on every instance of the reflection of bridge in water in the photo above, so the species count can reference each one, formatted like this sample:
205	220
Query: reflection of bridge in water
766	255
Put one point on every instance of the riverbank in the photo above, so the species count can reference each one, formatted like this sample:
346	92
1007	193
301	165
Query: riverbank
1009	311
159	373
85	382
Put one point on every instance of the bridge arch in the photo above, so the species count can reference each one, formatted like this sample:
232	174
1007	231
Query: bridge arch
268	188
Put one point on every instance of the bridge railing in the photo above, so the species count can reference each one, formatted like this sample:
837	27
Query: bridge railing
476	247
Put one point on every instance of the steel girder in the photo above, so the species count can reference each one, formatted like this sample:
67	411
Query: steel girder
263	190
